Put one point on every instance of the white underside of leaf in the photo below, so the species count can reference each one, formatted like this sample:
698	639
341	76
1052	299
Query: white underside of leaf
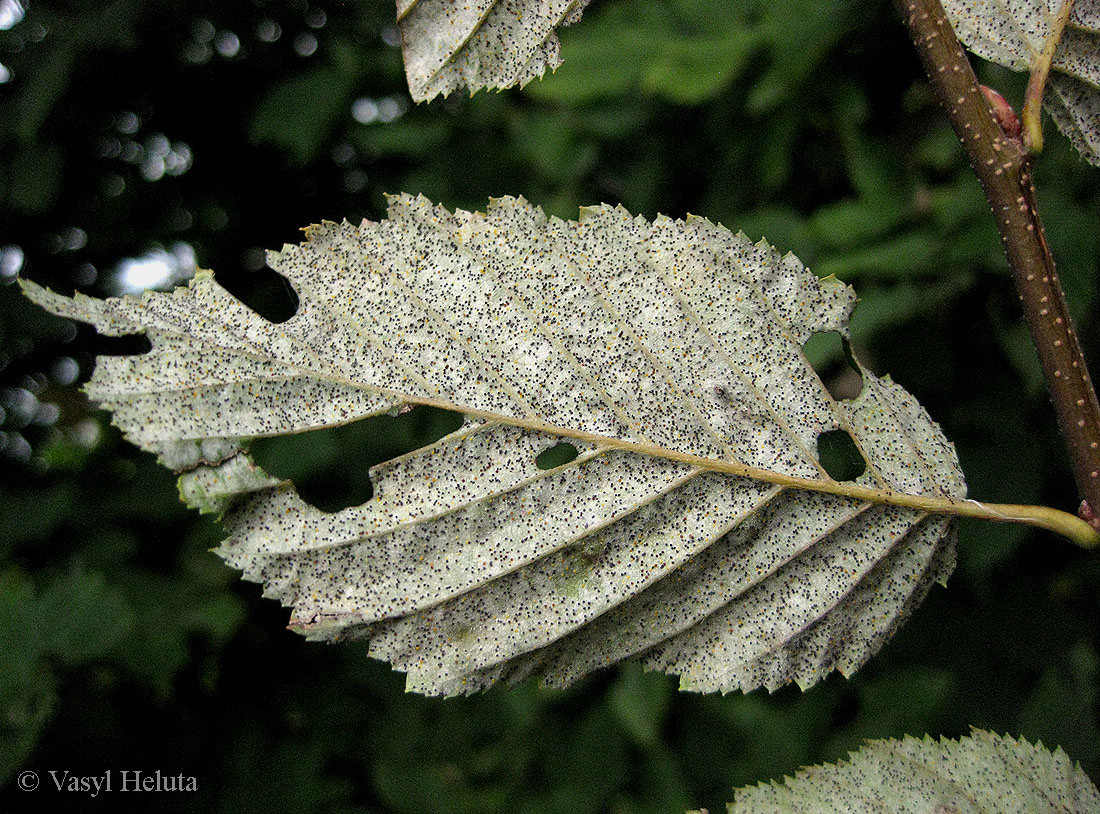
1013	32
981	773
668	353
480	43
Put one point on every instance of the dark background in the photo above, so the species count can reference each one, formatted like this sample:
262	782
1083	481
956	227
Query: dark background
128	127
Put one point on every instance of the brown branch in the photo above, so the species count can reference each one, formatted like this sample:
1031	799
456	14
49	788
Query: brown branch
1004	168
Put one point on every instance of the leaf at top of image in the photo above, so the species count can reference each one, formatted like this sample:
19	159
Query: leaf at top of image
480	44
982	772
699	526
1013	32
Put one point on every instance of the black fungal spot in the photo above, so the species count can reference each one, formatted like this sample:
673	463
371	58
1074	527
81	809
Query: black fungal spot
265	291
330	468
839	455
831	356
557	455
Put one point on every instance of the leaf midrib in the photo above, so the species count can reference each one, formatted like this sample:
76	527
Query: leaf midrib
847	489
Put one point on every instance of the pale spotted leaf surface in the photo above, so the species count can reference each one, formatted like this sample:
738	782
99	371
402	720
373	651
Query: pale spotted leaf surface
690	530
476	44
1013	32
981	773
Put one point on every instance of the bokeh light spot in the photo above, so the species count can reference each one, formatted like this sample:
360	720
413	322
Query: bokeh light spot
305	44
157	269
114	185
203	30
391	35
11	262
11	14
391	108
268	30
227	44
65	370
127	122
364	110
355	180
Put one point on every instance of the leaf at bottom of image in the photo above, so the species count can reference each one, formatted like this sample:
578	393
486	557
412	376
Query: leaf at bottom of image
694	522
979	773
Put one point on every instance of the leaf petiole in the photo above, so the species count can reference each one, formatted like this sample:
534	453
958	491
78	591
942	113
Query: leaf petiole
1040	70
1070	526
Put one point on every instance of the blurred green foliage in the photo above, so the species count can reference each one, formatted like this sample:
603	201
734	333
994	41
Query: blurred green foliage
125	644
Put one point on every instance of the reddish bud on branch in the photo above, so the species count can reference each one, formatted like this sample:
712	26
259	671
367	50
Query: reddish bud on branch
1004	114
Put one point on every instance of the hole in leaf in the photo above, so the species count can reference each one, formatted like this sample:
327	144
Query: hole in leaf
839	455
830	354
125	345
265	291
557	455
330	468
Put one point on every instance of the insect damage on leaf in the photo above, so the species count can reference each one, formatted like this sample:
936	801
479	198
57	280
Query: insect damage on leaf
480	44
691	525
1014	32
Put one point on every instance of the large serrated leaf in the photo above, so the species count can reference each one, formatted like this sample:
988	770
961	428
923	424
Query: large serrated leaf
481	43
1013	32
983	772
696	529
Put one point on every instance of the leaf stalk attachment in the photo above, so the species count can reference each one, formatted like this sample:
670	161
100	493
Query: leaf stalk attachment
1040	70
1003	166
1069	526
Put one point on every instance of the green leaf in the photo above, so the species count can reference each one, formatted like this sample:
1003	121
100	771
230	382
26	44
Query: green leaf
35	172
696	528
983	772
299	113
800	34
692	70
640	702
76	617
1062	707
81	617
658	48
907	255
607	55
855	222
